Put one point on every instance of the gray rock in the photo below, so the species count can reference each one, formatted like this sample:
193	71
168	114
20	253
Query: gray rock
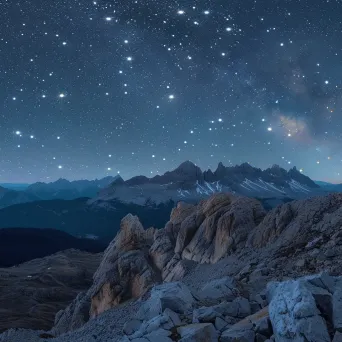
260	338
220	324
160	335
238	308
233	335
263	326
337	306
218	290
323	280
244	308
175	296
131	326
172	316
203	332
294	314
337	337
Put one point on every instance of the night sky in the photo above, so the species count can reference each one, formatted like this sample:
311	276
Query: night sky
95	88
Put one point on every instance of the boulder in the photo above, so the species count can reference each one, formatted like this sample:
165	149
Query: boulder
218	290
204	332
233	335
174	296
294	314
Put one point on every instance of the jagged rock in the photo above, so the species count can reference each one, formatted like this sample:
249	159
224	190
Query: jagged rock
233	335
175	296
295	222
227	221
125	271
215	291
161	251
204	332
177	268
238	308
74	316
294	314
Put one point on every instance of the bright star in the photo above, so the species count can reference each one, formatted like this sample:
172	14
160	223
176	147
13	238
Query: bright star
180	12
228	29
171	97
61	95
109	18
60	166
269	129
129	59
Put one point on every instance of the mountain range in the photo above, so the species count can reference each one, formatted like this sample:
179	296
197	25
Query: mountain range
189	183
95	208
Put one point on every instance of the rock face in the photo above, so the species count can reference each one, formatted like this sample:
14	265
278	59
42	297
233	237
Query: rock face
298	221
125	271
219	226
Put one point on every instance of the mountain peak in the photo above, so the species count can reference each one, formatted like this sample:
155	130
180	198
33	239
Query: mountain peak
187	166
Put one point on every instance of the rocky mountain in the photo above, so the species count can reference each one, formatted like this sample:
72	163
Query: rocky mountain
18	245
10	197
189	183
224	270
64	189
78	218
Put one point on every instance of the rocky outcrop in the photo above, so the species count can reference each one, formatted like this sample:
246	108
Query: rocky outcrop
125	271
225	222
299	222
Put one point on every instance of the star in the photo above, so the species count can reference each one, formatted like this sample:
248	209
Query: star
171	97
61	95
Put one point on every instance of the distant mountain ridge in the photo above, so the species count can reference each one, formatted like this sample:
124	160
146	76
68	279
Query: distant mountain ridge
60	189
64	189
188	181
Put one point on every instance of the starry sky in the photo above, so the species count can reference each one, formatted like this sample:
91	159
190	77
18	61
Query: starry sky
95	88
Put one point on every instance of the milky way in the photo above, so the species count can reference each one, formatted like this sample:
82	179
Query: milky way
92	88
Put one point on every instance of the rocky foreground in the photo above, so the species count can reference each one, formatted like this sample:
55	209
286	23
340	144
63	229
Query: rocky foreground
223	270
